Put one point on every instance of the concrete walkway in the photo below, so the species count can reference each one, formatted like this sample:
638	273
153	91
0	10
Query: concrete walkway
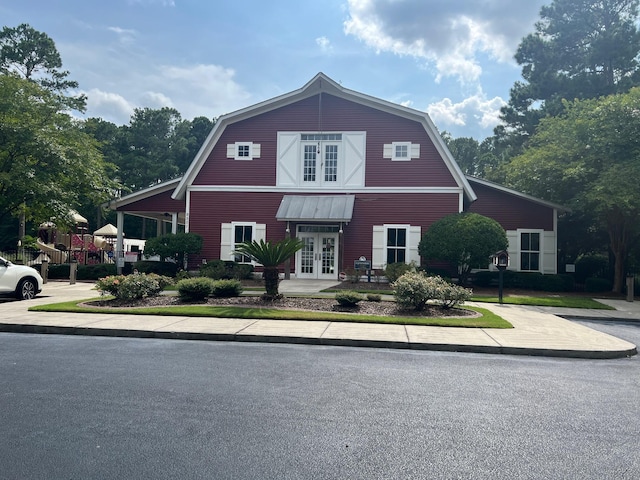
537	330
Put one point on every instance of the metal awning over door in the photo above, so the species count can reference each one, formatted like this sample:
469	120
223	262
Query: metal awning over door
316	208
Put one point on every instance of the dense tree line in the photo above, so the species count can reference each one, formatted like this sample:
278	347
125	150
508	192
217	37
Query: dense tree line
569	133
52	163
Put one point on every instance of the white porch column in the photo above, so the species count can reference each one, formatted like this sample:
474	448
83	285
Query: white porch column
174	223
159	228
119	253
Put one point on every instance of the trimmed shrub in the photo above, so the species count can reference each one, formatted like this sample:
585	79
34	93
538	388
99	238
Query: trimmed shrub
194	289
226	288
485	279
241	271
525	280
163	281
394	271
94	272
225	270
59	271
449	295
135	286
373	297
183	275
160	268
110	284
414	290
597	285
348	298
214	269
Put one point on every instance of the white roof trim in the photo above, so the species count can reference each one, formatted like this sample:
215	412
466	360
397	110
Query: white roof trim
142	194
322	83
515	193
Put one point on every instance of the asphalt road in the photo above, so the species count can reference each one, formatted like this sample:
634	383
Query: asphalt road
112	408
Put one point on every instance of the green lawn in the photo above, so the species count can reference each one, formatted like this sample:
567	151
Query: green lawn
559	301
542	301
486	320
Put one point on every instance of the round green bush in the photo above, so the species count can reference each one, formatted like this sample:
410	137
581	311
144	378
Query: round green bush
226	288
348	298
134	286
194	289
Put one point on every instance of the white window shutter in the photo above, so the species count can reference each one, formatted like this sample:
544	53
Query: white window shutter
355	146
231	150
387	151
261	232
377	253
414	239
415	150
288	159
226	241
255	150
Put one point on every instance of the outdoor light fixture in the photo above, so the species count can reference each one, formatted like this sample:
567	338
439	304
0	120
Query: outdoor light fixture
501	262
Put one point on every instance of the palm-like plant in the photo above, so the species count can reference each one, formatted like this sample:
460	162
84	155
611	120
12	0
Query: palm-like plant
270	256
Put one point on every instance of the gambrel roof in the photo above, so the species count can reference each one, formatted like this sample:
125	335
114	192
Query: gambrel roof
323	84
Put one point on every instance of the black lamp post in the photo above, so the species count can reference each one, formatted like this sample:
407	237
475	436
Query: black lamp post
501	261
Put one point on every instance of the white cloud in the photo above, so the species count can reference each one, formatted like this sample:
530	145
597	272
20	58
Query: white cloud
110	106
197	90
207	90
157	100
125	35
447	35
474	111
324	43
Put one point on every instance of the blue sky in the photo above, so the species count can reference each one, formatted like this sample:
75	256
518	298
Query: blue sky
452	59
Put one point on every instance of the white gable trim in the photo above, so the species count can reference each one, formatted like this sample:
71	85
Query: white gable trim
323	84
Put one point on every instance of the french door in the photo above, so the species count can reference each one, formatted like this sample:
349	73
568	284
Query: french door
319	255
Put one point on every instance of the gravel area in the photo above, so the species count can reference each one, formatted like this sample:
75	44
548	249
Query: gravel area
383	308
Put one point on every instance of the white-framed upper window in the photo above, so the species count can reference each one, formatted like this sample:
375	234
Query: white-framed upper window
530	247
401	151
243	150
321	158
242	232
396	243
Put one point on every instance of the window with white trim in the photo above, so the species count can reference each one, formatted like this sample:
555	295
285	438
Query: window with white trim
396	243
401	151
243	150
321	160
320	157
242	232
530	251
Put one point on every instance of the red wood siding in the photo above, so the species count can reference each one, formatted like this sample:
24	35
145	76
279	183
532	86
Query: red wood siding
510	211
211	209
335	115
162	202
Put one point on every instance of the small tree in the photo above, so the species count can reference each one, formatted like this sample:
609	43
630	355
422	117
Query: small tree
465	240
270	256
174	246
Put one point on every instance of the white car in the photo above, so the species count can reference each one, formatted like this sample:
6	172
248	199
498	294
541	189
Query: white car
19	280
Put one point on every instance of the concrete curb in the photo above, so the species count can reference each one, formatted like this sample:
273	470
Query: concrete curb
342	342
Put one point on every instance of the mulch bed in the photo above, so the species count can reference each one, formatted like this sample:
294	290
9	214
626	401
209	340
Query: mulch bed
364	307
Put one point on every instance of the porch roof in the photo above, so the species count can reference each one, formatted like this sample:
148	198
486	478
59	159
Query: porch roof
316	208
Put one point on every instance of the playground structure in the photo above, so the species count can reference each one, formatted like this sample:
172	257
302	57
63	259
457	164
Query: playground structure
82	247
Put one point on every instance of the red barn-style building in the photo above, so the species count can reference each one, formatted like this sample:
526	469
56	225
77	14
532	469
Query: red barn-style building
351	175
